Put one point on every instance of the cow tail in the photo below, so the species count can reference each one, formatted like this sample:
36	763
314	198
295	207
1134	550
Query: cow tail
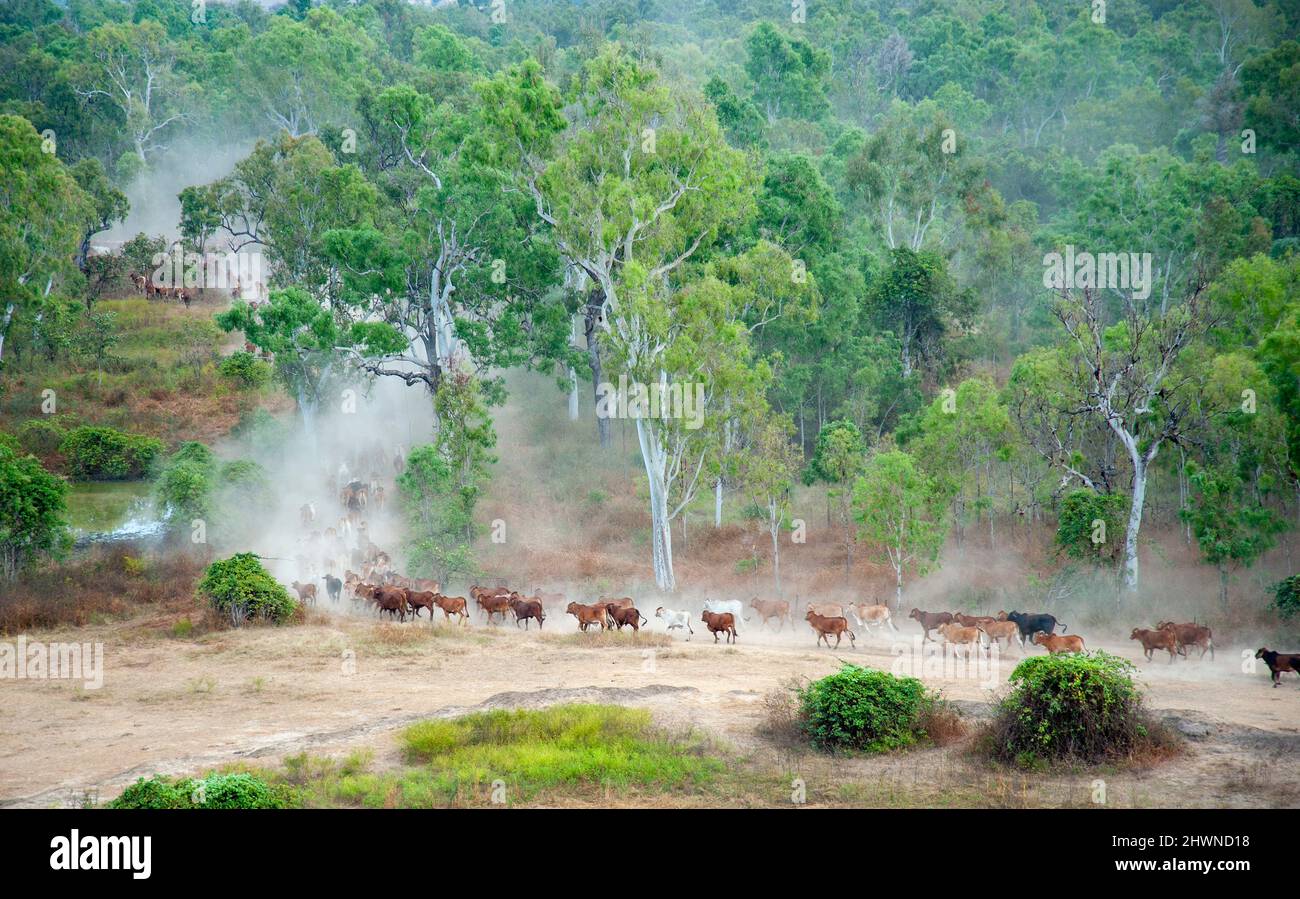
1063	626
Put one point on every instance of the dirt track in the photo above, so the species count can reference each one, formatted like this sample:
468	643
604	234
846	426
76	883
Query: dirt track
176	706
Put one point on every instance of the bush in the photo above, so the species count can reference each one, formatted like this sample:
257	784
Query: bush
106	454
861	710
1286	597
245	369
41	436
240	588
237	790
1082	707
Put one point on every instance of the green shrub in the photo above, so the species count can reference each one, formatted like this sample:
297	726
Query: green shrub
861	710
106	454
41	436
245	369
240	588
238	790
1076	707
1286	597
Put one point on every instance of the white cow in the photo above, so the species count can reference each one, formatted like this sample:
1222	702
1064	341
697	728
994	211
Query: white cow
869	616
733	606
675	619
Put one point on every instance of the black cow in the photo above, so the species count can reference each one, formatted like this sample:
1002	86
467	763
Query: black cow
1278	662
1031	623
334	587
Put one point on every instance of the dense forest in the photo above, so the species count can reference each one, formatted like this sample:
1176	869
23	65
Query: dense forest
962	265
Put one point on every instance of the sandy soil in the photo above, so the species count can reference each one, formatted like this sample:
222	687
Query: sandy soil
342	682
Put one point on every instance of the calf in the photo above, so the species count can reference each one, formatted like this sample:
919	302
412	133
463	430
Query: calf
1056	645
587	615
629	615
1190	634
929	620
527	610
495	605
720	623
1031	623
675	620
869	616
306	592
451	605
1278	662
1157	639
972	620
771	608
825	626
999	630
960	635
333	587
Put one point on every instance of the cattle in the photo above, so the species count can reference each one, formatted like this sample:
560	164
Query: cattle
140	282
333	587
972	620
826	609
869	616
1157	639
998	630
611	603
424	583
628	615
675	620
1031	623
929	620
825	626
391	600
420	599
771	608
306	592
1278	662
549	599
960	635
1190	634
495	604
1059	644
720	623
587	615
307	514
451	605
526	610
732	606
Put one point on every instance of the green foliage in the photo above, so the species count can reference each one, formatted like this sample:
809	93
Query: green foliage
238	790
1077	531
106	454
1286	597
41	436
241	589
32	510
245	369
1070	707
858	709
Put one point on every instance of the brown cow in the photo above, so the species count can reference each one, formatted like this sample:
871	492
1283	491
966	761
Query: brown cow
628	615
720	623
826	625
495	605
961	635
526	610
930	620
771	608
996	630
588	615
1157	639
420	599
1056	643
451	605
1278	662
306	592
972	620
391	600
1190	634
